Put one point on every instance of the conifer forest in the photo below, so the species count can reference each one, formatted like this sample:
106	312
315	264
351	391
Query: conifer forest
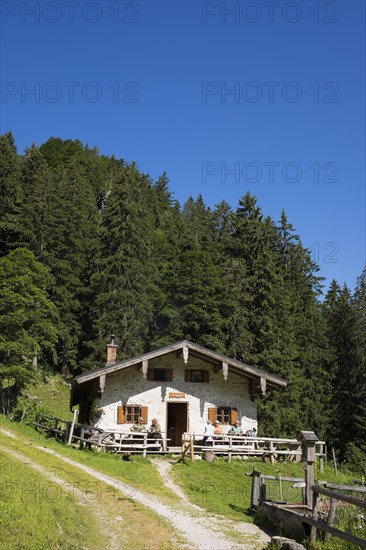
91	247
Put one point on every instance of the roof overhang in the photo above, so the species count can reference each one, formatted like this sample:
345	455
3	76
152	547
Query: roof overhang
86	380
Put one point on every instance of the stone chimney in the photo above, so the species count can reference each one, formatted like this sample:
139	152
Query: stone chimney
112	352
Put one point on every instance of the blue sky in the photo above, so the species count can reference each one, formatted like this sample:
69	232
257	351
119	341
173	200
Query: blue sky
224	96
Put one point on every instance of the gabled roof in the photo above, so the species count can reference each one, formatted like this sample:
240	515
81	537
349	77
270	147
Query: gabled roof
195	349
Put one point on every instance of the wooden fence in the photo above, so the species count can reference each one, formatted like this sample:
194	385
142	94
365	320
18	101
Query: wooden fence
334	492
291	516
116	442
237	445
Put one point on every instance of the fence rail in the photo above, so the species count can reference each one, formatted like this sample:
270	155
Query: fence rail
335	495
295	515
233	445
86	435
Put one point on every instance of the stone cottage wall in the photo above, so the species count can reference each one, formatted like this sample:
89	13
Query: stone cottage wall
128	386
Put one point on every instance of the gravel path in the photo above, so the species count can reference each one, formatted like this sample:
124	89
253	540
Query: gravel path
248	530
201	530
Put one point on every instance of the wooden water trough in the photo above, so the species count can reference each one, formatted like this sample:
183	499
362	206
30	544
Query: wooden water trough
310	515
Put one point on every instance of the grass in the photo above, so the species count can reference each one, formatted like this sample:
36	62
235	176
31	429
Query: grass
31	516
139	473
135	522
53	393
223	488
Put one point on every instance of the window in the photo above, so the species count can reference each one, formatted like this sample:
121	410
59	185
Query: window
129	414
196	375
160	375
224	415
133	412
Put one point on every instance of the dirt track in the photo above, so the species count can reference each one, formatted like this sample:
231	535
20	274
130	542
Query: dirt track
200	529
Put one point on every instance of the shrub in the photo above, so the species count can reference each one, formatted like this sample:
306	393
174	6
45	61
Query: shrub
26	409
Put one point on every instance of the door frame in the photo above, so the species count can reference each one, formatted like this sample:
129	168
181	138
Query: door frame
175	401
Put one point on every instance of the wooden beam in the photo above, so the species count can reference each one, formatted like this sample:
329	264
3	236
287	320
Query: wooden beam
102	381
145	367
336	532
340	496
225	370
215	357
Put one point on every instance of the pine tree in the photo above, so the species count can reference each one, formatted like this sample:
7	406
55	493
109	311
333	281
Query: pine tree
71	246
27	316
11	194
355	453
199	223
196	295
124	283
37	207
339	316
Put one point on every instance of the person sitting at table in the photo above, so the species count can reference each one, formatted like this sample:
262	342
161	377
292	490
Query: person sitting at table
139	426
155	431
209	433
236	429
217	428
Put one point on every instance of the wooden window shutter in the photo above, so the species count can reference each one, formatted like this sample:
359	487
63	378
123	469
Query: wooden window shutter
150	374
144	414
233	416
205	376
121	414
188	376
169	375
211	414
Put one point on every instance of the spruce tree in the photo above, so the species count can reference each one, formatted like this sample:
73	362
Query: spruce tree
355	453
27	316
124	281
11	194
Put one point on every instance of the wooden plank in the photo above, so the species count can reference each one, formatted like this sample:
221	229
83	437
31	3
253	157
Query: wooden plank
356	489
340	496
336	532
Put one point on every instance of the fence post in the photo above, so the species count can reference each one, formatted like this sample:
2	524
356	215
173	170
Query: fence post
82	433
145	446
66	432
308	440
230	448
331	517
313	530
71	432
255	496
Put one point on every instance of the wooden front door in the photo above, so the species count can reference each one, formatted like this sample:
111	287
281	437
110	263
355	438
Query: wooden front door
176	423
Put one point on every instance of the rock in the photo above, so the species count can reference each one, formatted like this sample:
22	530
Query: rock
209	456
286	544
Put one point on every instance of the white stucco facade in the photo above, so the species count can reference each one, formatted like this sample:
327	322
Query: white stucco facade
128	386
